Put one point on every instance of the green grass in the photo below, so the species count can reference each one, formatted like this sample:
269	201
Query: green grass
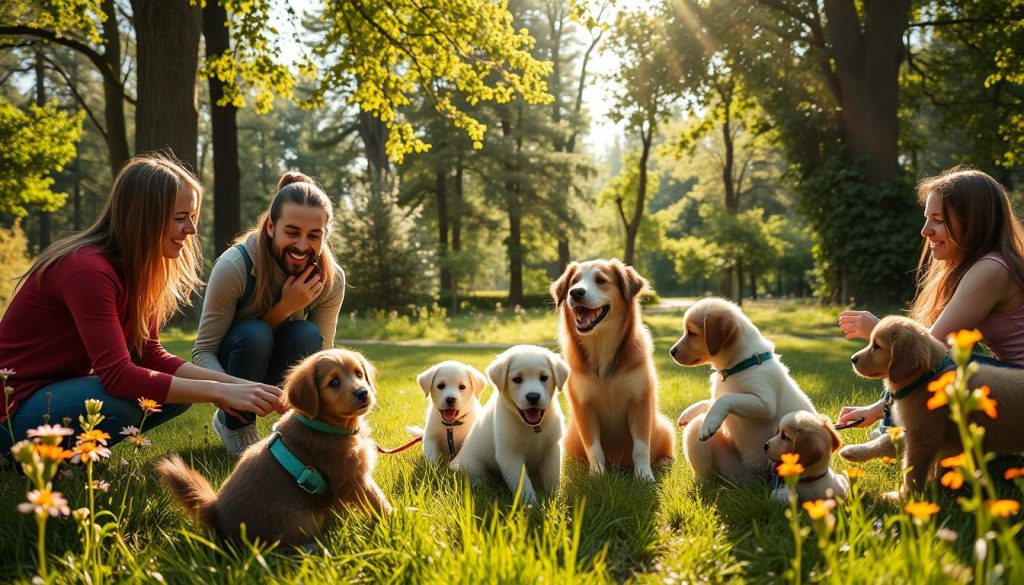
597	529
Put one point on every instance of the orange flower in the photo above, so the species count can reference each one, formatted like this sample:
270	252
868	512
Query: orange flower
89	451
952	479
887	459
149	405
819	509
52	452
938	399
94	435
1013	473
1002	508
954	461
985	403
964	339
942	381
855	472
789	465
921	510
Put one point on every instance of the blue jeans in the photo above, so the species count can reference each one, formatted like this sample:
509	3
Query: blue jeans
253	351
66	400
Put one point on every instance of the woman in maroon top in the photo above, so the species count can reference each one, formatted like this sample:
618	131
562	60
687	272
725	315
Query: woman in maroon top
84	321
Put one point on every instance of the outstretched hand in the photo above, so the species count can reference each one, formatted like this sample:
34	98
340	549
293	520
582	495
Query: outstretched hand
857	324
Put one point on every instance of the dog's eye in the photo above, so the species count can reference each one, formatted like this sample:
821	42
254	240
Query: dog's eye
875	346
690	332
600	280
543	378
335	383
359	374
784	437
462	386
518	379
440	386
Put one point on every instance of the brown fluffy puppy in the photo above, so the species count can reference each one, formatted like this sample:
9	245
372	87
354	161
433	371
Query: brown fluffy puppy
812	437
335	386
612	388
899	353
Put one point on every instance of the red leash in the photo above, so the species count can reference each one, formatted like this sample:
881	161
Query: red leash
399	449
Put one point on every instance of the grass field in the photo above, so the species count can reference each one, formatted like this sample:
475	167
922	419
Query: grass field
597	529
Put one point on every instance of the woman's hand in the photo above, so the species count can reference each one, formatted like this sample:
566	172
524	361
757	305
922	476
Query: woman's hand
857	324
261	399
870	414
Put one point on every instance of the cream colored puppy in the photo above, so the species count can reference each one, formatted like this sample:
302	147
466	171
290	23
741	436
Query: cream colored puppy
454	389
751	390
812	437
521	425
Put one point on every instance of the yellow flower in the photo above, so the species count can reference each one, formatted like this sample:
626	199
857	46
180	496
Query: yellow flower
140	441
52	452
43	502
95	435
942	381
1012	473
921	510
149	405
954	461
855	472
964	339
789	465
895	432
89	451
819	509
985	403
1002	508
952	479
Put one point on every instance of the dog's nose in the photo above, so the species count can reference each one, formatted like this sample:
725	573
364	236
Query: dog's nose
577	293
450	400
672	351
533	397
362	394
854	359
766	445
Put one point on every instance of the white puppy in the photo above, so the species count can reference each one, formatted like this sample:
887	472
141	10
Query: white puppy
454	389
521	425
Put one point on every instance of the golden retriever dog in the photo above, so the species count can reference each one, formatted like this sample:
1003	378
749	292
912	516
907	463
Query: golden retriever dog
521	425
454	390
330	392
613	388
751	390
812	437
903	354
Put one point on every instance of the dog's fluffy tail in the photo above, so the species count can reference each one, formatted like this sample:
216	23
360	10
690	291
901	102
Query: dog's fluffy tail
190	489
415	431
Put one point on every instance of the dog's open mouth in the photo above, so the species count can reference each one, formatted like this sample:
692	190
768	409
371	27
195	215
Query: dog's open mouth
449	415
532	416
587	318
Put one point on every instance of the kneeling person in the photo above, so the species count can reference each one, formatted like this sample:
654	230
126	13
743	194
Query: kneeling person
273	298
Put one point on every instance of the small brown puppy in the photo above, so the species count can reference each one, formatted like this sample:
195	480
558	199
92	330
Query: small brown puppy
812	437
900	352
332	390
613	387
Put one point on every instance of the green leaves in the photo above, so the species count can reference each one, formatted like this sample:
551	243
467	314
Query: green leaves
33	145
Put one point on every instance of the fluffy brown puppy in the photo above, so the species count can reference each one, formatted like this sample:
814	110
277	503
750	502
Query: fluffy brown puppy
612	388
812	437
331	389
904	355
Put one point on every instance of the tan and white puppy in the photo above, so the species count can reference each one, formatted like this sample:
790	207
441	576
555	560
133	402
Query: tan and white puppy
613	389
521	425
812	437
454	390
726	434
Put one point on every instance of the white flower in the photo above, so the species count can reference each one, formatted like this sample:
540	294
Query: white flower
43	502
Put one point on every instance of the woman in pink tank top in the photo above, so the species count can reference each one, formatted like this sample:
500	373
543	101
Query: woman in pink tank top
970	274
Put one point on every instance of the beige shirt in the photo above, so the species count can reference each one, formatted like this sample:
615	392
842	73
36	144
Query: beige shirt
225	288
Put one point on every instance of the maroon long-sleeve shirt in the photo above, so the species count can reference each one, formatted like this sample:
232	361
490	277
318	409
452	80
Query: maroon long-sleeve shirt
73	321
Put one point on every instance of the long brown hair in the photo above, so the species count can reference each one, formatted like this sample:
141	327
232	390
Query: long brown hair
987	224
129	231
297	188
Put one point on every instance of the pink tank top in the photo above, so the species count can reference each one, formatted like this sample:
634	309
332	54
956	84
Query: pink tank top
1004	332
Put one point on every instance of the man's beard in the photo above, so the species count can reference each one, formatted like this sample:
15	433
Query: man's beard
290	265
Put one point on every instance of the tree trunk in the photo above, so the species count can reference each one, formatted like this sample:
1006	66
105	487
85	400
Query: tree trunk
227	177
441	197
167	37
515	219
44	216
633	224
739	282
113	93
753	284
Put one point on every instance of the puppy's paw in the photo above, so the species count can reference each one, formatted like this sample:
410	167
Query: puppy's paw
708	429
596	467
643	472
858	453
893	496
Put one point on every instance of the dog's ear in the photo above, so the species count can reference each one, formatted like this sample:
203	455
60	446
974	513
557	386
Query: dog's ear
826	423
809	446
909	356
426	379
559	368
719	330
301	387
477	379
630	282
560	288
369	370
497	371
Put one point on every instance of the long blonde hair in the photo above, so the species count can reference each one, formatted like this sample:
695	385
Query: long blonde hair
129	231
987	224
297	188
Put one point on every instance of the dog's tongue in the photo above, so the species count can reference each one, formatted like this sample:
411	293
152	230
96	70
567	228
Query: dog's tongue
533	415
449	415
585	317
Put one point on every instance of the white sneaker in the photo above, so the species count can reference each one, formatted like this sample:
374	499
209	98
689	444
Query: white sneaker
235	440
